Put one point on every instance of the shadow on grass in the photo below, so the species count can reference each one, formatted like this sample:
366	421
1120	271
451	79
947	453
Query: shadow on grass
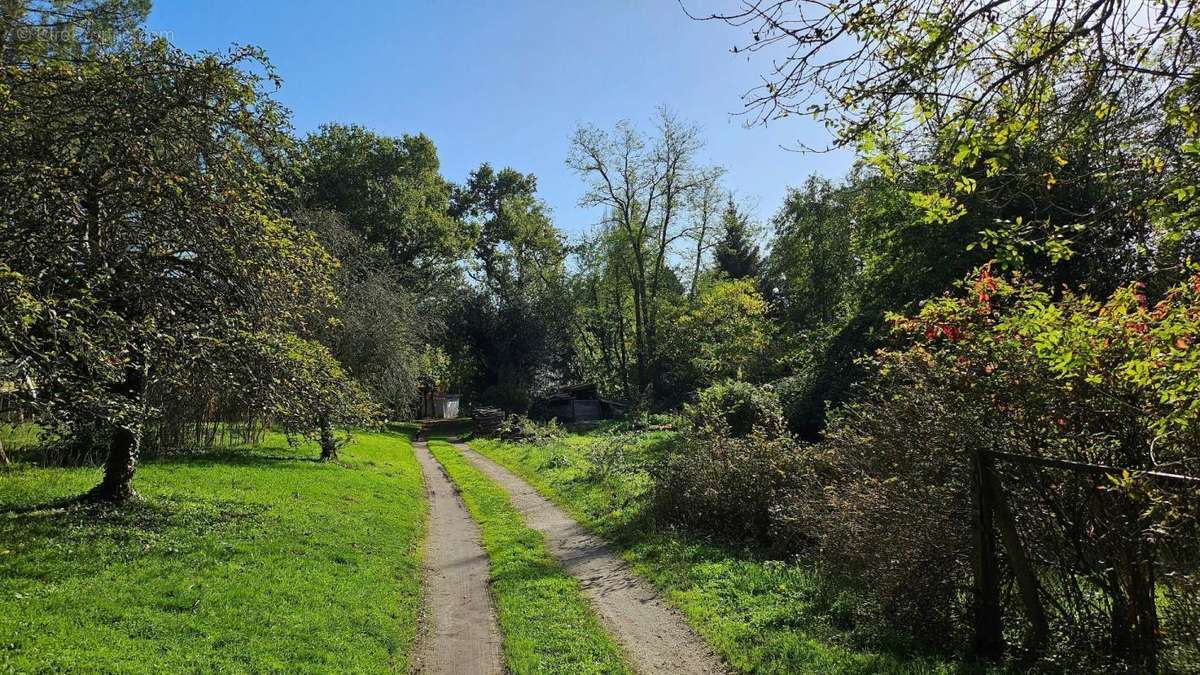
84	539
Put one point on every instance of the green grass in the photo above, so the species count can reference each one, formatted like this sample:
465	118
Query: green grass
261	560
15	438
763	616
548	626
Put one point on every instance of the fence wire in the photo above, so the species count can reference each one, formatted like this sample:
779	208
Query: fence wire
1117	566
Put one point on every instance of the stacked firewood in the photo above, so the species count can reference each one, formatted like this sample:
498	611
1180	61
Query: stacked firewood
487	421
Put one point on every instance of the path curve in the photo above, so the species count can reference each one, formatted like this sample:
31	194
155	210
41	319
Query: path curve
654	637
458	631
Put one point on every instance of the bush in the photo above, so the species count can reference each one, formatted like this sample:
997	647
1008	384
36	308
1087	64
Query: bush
733	468
1009	367
892	510
800	402
646	421
736	408
524	430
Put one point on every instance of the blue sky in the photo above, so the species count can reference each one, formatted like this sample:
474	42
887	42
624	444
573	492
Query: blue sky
508	82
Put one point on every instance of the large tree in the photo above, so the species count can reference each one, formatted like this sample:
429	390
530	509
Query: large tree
140	232
644	185
380	326
513	317
390	191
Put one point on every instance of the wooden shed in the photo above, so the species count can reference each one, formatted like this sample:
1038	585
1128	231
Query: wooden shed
577	403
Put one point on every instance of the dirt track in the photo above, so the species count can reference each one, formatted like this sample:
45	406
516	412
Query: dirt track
654	637
458	632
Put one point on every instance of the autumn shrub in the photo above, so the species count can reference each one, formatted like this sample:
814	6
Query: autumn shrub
1007	366
731	486
892	510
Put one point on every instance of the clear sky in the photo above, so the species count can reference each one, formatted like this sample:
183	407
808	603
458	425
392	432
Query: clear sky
508	82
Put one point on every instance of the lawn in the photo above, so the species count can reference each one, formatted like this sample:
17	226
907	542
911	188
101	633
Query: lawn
249	561
762	615
548	626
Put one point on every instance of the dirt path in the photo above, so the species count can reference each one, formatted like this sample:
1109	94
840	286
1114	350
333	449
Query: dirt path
458	623
655	638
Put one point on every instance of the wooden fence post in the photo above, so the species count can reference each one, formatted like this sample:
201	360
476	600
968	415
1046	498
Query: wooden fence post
1022	570
989	633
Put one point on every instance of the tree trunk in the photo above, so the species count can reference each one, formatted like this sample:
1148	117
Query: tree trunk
124	447
329	450
123	450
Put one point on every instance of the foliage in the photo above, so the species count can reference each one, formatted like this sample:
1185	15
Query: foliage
1120	372
379	326
843	256
736	254
733	468
726	331
732	486
512	318
67	30
521	428
310	394
390	192
762	614
1019	112
736	408
892	510
140	228
1007	366
644	184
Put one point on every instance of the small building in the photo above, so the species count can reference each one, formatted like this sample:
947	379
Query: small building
577	403
446	407
439	406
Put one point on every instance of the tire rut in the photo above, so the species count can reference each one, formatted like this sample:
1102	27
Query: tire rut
654	637
458	632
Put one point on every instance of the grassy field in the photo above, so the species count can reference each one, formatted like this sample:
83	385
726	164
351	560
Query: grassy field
547	625
762	615
250	561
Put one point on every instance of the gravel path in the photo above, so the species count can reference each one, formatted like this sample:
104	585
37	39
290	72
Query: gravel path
458	632
654	637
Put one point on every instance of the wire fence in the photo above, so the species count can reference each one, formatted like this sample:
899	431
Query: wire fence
1078	561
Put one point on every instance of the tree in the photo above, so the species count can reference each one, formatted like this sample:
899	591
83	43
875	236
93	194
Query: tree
727	332
644	188
310	395
389	191
140	229
603	318
703	204
512	320
736	254
65	30
1061	125
379	327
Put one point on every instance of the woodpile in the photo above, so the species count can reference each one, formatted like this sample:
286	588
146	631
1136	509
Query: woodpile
487	421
